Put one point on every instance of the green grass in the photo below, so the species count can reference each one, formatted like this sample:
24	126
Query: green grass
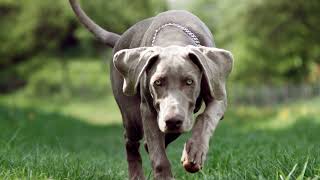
44	136
250	143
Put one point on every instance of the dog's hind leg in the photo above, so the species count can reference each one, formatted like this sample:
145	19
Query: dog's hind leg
132	136
134	159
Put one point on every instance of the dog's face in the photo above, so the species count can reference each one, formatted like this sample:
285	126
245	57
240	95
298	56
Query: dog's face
174	84
173	76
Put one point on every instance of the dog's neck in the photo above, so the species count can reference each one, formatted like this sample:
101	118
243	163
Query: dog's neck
174	34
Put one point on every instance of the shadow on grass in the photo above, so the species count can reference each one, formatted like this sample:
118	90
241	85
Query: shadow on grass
37	144
55	130
53	145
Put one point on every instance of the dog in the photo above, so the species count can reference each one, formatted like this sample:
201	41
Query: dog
164	68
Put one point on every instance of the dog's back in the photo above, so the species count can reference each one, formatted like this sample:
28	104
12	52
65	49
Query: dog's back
141	33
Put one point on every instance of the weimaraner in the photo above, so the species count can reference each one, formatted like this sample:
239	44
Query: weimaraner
163	68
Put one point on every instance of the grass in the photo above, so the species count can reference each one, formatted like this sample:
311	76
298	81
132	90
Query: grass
49	137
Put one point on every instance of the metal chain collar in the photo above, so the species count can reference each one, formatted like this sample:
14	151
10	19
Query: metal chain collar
184	29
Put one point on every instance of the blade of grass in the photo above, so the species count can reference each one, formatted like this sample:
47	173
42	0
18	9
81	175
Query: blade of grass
300	177
203	174
291	172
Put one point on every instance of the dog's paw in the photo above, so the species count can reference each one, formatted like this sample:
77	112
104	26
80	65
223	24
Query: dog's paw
193	155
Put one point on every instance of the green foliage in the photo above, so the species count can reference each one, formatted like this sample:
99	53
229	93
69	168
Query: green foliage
29	28
86	78
273	41
284	36
118	16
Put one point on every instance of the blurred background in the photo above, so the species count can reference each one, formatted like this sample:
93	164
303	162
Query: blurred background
49	63
46	54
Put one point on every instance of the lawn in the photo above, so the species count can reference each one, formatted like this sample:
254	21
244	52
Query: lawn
47	137
250	143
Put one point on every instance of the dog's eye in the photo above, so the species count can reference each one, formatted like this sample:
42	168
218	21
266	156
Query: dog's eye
158	82
189	82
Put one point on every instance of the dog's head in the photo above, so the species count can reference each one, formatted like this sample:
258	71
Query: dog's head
174	77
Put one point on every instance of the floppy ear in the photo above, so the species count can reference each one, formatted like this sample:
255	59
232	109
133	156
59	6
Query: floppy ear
131	63
216	65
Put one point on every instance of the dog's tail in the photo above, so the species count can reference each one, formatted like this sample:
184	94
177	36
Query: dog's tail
108	38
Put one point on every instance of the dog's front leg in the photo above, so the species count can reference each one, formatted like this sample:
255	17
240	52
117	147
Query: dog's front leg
156	144
196	148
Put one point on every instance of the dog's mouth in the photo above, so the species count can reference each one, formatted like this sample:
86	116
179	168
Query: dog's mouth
173	130
170	128
173	124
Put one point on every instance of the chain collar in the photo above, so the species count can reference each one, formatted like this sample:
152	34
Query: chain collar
184	29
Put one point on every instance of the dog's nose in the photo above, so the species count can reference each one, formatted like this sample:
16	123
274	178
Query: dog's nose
174	123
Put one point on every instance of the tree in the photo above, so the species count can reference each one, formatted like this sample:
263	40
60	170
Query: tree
29	28
273	41
286	35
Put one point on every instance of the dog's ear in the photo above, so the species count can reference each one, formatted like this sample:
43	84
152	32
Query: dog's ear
131	63
216	65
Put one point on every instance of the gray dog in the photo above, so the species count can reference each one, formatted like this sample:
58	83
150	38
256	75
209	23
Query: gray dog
163	69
